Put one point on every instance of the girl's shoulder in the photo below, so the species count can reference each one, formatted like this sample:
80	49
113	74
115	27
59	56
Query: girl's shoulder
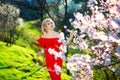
56	33
43	36
53	35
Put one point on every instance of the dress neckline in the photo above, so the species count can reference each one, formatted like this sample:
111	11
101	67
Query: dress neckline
49	38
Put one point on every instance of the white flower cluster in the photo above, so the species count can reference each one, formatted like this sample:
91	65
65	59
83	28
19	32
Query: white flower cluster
63	47
80	64
62	40
61	37
101	33
55	53
57	69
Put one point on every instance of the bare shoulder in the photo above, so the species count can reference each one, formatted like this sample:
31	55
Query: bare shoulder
43	36
56	33
53	35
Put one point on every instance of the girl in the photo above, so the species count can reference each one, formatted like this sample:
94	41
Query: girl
50	43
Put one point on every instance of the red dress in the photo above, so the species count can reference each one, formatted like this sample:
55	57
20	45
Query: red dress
51	47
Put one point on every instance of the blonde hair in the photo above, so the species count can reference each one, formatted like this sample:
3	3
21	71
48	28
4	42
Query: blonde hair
43	25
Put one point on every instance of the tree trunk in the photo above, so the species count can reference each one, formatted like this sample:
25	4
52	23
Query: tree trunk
65	22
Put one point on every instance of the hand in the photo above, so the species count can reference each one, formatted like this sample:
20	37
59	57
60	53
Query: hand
38	54
72	32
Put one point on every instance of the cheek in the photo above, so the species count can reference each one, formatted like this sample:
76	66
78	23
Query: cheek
53	26
46	28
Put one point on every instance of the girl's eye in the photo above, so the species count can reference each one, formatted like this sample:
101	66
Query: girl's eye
48	23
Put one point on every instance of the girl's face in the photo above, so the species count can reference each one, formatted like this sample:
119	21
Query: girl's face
49	25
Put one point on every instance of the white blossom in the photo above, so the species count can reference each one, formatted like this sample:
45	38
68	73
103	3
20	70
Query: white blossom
57	69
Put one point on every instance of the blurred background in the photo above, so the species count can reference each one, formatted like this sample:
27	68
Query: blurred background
20	27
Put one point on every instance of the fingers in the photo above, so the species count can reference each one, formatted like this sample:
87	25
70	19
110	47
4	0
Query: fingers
72	33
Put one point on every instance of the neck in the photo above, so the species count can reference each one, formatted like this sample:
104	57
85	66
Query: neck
50	31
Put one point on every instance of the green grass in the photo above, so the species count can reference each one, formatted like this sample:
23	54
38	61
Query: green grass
32	29
28	34
19	63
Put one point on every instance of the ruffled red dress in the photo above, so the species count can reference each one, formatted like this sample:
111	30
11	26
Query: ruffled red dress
50	60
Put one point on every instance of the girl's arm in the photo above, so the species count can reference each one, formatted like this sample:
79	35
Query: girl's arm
69	39
39	53
71	36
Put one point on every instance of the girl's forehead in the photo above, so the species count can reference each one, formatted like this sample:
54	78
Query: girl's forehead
48	21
